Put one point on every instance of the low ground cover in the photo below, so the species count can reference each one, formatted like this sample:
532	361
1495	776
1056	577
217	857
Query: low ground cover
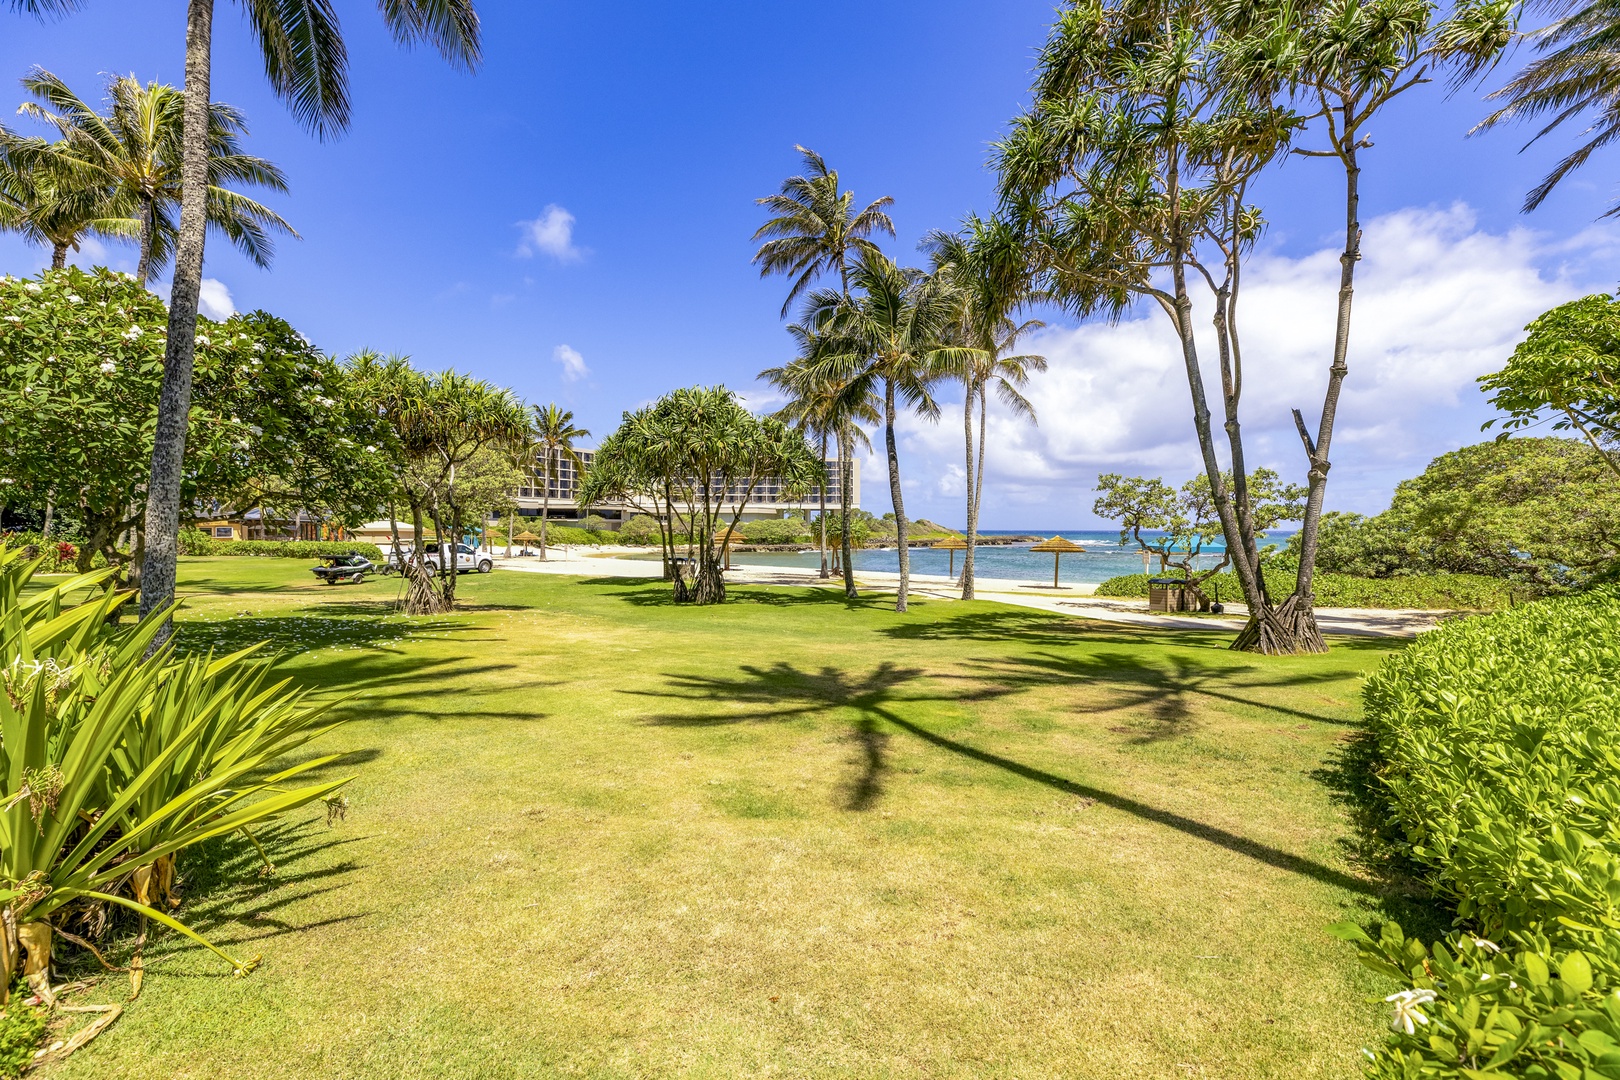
594	834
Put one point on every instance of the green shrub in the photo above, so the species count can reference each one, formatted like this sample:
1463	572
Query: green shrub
22	1026
1499	740
1449	592
569	534
640	529
292	549
775	532
193	541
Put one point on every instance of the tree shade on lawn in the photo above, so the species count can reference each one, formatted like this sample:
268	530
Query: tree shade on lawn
592	835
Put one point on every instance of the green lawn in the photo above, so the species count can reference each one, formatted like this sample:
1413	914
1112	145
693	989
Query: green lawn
596	835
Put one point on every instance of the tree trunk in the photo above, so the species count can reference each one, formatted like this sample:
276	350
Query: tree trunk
545	501
1302	605
894	494
174	400
511	523
59	252
453	559
845	479
50	512
972	517
143	269
821	531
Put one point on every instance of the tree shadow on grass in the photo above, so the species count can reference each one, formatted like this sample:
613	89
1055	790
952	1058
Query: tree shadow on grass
784	692
643	593
1164	688
1377	845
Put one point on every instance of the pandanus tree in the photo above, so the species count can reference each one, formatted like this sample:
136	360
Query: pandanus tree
134	151
989	266
552	431
1132	169
702	455
892	339
306	61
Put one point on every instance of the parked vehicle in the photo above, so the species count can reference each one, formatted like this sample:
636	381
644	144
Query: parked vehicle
466	559
352	568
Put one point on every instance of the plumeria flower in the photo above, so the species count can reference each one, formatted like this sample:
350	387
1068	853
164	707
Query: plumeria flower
1406	1003
33	287
132	334
14	318
202	339
74	298
258	346
108	367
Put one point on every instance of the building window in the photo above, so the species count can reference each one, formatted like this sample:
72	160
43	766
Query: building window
224	532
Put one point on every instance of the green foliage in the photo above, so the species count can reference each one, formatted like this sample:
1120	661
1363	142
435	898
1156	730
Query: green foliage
200	544
775	532
595	523
573	534
1542	512
1429	592
1567	370
1184	519
1500	746
22	1027
113	759
640	529
273	422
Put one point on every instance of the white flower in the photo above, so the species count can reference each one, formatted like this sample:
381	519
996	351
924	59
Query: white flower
1406	1004
371	449
258	346
33	287
108	367
14	318
202	339
74	298
1488	946
132	334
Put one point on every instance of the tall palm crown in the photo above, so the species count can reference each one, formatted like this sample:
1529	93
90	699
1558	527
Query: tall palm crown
46	197
135	151
553	431
1578	73
815	228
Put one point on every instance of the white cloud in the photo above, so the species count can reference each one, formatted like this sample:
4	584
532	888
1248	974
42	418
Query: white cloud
215	300
573	364
552	233
1438	303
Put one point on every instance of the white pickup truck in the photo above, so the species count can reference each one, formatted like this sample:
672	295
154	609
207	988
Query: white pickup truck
467	559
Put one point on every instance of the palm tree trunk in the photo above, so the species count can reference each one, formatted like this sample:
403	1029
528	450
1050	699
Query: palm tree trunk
967	430
545	501
821	532
174	400
511	523
894	494
846	478
143	269
59	252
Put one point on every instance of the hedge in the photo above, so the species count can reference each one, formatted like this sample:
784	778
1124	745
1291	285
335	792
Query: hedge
1498	741
283	549
1452	592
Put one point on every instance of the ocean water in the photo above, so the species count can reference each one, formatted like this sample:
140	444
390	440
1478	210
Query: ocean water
1104	557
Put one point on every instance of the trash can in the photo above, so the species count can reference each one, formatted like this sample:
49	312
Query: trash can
1167	594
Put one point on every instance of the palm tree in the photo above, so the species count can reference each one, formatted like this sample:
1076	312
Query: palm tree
816	229
553	432
1576	75
48	198
895	334
987	265
135	150
307	64
818	406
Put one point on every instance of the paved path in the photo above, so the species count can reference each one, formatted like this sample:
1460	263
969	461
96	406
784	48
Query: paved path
1074	600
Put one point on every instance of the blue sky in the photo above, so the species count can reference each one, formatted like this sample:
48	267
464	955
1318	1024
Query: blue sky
651	128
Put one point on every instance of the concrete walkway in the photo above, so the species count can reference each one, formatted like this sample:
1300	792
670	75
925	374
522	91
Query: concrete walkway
1076	600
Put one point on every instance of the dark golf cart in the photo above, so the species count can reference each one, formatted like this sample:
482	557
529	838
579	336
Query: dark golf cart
351	567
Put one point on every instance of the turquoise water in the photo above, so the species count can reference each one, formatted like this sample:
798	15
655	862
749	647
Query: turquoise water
1104	558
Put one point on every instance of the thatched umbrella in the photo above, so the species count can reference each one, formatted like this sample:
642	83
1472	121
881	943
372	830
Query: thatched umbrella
526	538
952	544
1059	547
